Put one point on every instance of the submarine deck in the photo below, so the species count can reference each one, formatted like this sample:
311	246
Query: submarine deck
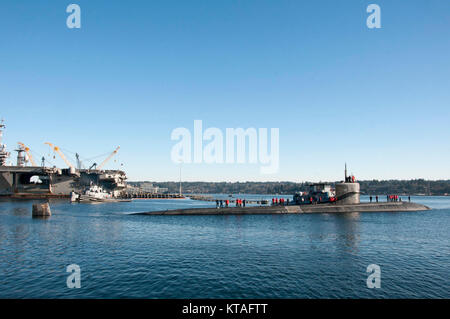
297	209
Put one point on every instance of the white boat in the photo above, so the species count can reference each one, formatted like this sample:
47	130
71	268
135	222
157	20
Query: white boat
95	193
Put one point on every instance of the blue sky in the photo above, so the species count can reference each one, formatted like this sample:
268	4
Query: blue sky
338	91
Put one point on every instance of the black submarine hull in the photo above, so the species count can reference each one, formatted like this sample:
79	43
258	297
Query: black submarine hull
297	209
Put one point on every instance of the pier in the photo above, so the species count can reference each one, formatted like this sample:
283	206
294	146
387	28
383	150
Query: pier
146	195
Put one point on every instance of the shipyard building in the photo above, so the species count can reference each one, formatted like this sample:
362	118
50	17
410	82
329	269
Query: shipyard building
26	179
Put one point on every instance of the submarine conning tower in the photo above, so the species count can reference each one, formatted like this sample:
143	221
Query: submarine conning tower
348	191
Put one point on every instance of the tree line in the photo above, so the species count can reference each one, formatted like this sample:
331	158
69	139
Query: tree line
368	187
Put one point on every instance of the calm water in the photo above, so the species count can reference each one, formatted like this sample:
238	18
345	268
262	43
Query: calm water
303	256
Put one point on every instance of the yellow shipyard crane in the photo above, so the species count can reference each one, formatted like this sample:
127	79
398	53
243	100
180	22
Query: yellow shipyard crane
61	154
27	150
108	158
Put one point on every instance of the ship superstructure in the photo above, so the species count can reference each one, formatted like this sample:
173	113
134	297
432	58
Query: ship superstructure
33	181
3	153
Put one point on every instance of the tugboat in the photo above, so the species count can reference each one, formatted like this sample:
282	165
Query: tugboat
318	193
95	193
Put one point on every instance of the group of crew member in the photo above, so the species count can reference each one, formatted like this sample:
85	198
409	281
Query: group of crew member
240	202
280	201
394	198
226	203
220	203
315	200
376	198
390	198
350	179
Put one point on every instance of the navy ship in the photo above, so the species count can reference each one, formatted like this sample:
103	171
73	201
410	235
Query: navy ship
26	179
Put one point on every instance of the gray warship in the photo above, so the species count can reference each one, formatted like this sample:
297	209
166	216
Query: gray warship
29	181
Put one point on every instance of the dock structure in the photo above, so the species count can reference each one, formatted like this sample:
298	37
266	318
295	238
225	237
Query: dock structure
147	195
297	209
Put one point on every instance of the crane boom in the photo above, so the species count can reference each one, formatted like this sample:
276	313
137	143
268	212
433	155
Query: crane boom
27	150
61	154
108	158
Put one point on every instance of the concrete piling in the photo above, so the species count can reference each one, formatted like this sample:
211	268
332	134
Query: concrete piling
41	210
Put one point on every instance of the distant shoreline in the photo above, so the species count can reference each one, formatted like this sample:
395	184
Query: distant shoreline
417	187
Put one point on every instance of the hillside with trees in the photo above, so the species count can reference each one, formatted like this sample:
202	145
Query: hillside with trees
372	187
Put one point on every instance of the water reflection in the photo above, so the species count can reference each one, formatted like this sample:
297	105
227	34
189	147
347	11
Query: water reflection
338	231
20	233
21	211
348	230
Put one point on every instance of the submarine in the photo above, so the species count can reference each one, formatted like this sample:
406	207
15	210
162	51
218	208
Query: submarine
345	198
